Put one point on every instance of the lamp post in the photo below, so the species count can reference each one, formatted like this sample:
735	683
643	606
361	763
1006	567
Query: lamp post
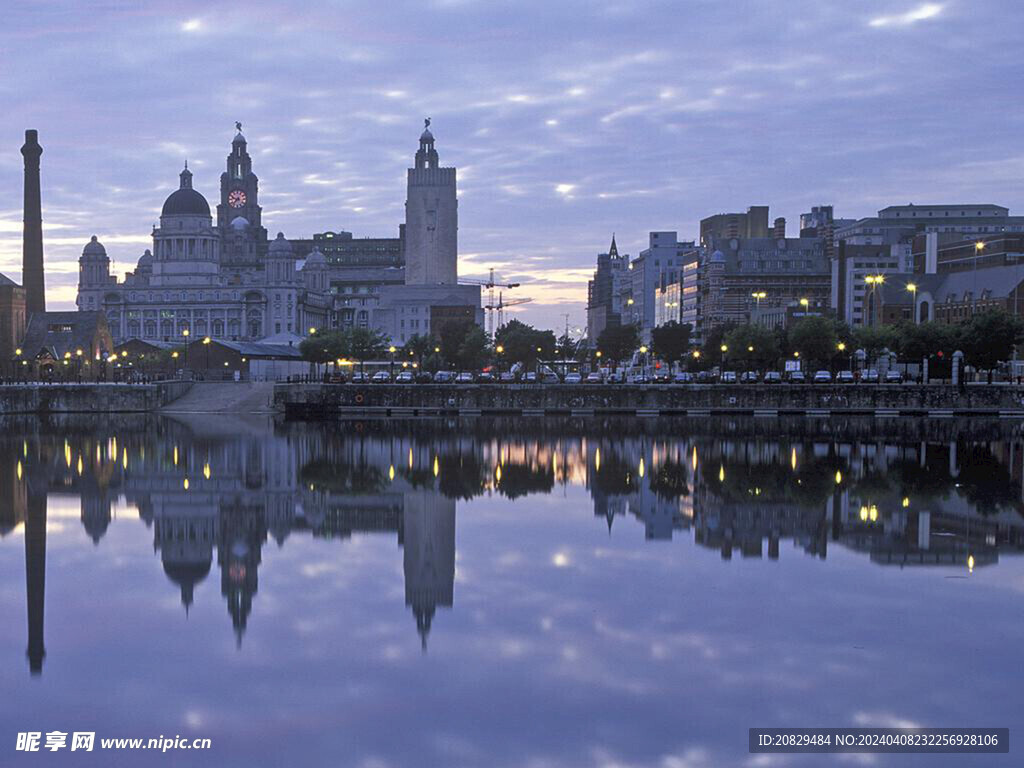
498	351
978	248
185	333
206	345
643	363
841	346
391	374
912	287
757	296
17	362
873	281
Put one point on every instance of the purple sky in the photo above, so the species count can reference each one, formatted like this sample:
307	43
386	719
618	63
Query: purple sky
567	120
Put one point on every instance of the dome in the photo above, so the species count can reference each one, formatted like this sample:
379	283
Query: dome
239	223
426	135
185	202
146	259
280	247
315	260
94	248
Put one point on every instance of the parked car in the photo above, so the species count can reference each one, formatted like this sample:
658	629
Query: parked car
822	377
485	377
703	377
573	378
750	377
359	378
507	377
892	376
381	377
845	377
465	377
727	377
683	377
661	377
444	377
616	377
870	376
530	377
424	377
797	377
773	377
551	378
593	378
404	377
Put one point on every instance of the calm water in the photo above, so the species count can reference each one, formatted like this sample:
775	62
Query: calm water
420	595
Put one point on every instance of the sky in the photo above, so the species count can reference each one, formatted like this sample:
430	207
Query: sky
568	121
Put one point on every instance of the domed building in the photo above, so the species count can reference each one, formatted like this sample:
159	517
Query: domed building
219	275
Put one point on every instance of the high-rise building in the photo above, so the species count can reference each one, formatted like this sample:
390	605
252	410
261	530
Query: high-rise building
722	226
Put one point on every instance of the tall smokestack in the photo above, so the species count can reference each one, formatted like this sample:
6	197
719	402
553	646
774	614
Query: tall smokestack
32	241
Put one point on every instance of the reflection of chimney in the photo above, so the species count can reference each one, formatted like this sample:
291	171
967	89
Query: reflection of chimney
35	577
32	242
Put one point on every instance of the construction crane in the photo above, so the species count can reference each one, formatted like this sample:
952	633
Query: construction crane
490	284
499	309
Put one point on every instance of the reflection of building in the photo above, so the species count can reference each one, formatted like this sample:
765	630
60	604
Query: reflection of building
429	556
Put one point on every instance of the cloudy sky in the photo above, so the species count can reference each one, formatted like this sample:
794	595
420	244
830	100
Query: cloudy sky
567	120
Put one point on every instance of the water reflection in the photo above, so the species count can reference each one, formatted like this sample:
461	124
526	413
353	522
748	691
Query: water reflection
207	487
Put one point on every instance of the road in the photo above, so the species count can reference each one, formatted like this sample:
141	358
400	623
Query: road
225	397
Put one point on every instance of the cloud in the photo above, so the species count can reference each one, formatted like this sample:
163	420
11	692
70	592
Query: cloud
920	13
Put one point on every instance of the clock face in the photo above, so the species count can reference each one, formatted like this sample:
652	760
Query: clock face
236	198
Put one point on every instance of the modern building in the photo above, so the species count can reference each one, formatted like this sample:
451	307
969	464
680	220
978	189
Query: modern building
855	273
901	223
724	226
658	266
743	277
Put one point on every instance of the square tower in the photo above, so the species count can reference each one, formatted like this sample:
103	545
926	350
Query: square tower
431	219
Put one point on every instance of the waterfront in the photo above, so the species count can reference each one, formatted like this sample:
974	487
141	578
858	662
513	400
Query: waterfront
520	592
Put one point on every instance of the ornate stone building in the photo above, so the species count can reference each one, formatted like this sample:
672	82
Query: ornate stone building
227	280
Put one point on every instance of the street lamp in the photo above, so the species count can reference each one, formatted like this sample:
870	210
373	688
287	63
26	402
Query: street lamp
757	296
391	349
312	331
873	282
499	350
912	287
185	333
805	303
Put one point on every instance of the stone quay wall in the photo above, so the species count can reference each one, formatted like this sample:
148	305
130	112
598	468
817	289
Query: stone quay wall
317	401
42	398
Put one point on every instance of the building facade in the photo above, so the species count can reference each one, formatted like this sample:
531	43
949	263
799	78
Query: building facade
226	279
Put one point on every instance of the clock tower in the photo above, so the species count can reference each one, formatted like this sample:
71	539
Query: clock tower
239	215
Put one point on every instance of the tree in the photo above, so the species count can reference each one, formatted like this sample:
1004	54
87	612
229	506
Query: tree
752	344
618	342
450	339
473	350
814	338
363	344
989	338
521	341
874	339
713	341
671	341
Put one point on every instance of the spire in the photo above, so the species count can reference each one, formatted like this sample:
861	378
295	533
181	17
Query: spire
239	138
186	178
613	251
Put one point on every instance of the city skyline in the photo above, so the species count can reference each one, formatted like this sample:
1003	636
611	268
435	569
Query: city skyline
570	126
